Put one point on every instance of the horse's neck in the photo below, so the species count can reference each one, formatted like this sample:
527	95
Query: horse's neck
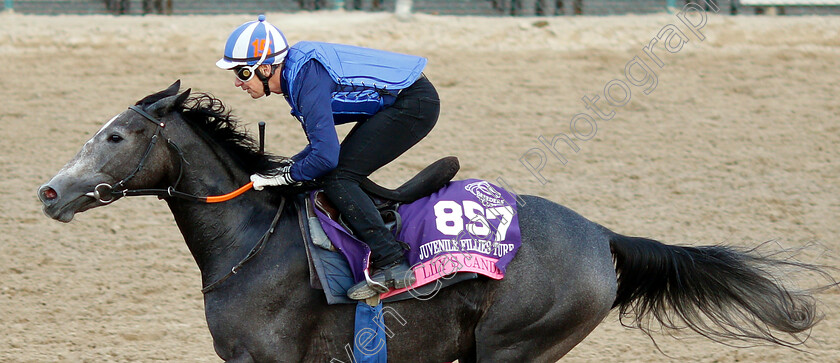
220	234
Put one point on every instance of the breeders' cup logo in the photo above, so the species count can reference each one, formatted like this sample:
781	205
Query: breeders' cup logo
486	194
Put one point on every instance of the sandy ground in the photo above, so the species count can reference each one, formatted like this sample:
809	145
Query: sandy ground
737	144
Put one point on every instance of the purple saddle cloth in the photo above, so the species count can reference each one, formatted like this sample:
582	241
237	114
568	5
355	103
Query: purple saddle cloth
467	226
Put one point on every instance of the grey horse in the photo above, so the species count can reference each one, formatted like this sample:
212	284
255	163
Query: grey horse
567	276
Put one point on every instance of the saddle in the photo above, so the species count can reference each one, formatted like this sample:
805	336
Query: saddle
426	182
329	269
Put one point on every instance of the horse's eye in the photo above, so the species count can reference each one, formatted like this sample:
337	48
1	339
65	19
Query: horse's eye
115	138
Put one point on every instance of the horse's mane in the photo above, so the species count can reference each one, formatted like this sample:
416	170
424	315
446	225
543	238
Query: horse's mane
209	116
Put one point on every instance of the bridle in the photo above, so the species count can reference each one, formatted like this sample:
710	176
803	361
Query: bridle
105	193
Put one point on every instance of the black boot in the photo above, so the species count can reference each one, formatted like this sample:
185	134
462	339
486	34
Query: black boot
396	275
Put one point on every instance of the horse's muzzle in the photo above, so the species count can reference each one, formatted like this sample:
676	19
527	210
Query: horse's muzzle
62	205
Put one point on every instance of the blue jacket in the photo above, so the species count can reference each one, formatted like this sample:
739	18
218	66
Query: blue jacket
328	84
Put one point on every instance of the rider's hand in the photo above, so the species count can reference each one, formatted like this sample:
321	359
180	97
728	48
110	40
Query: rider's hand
277	177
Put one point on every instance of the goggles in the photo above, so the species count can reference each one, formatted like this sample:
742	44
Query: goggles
245	73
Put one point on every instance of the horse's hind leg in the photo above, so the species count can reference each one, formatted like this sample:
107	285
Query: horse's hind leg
515	334
559	287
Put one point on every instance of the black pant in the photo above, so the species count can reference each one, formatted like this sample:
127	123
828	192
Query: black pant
370	145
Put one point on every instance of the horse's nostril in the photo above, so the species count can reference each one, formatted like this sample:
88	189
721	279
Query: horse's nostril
49	193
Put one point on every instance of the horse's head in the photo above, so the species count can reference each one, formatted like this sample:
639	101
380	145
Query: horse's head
121	155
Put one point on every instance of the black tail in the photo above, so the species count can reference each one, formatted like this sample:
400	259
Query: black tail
719	292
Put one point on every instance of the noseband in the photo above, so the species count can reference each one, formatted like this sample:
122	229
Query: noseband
105	193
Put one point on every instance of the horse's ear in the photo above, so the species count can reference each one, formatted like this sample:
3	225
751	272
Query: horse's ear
167	104
173	88
169	91
164	106
183	97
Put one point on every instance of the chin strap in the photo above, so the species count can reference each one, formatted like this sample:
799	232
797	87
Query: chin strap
265	79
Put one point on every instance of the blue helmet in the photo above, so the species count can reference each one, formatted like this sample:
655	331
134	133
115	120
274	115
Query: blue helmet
254	43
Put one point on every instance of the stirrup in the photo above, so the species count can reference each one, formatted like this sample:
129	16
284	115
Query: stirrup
375	286
363	290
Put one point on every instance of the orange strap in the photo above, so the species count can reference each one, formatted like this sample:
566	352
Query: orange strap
231	195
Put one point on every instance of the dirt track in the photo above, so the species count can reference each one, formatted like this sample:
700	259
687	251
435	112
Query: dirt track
736	144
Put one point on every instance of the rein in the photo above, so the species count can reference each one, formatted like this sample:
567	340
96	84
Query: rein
105	193
251	254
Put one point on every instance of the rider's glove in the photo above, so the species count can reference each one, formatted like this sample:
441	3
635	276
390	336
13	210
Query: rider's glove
277	177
